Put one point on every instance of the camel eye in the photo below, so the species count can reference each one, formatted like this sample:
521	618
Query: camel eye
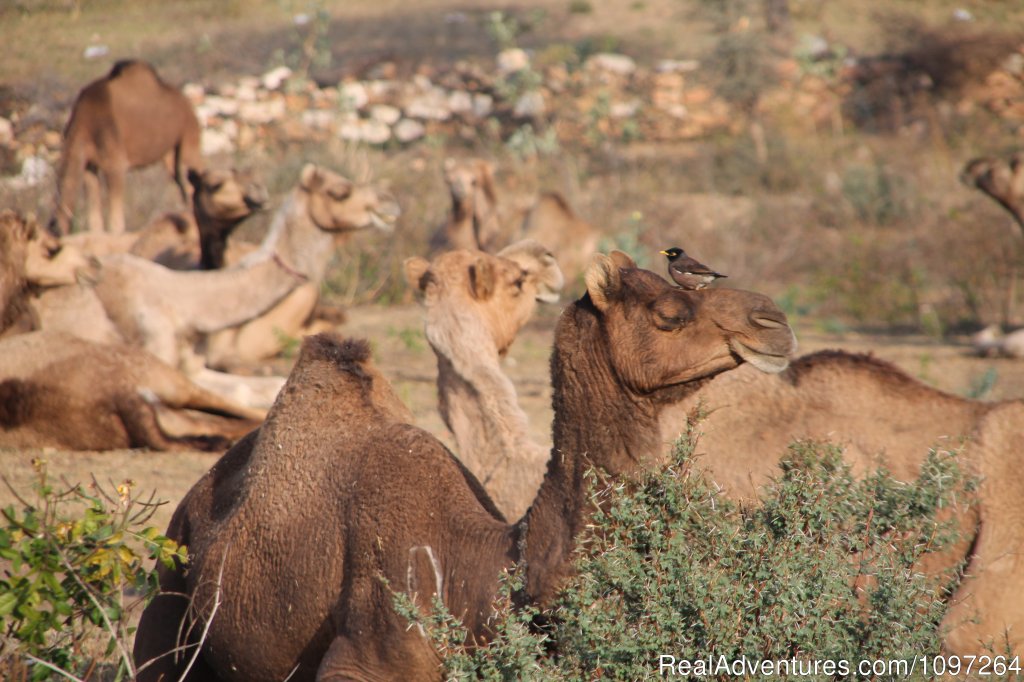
339	193
215	186
671	314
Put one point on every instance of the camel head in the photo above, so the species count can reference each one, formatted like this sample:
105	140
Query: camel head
49	263
660	336
1001	180
227	194
464	288
470	182
336	204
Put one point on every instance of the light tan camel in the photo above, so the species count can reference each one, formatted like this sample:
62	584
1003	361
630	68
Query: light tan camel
883	417
294	529
552	222
128	119
475	304
57	390
1002	180
165	310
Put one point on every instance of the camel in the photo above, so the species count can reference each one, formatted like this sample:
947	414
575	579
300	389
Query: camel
15	235
992	342
128	119
1002	180
164	310
221	200
299	535
552	221
475	304
58	390
882	416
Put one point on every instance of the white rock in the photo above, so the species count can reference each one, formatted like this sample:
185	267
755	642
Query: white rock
262	112
6	131
318	119
96	51
408	130
220	106
460	102
385	113
215	141
248	89
431	105
677	65
34	170
483	105
371	132
618	64
530	105
624	109
194	92
274	78
512	60
378	90
353	96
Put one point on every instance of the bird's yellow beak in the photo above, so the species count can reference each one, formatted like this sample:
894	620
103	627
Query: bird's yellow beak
664	253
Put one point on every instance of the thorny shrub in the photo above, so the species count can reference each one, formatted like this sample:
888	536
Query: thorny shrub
826	567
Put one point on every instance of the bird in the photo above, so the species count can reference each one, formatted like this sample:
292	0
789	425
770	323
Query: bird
688	273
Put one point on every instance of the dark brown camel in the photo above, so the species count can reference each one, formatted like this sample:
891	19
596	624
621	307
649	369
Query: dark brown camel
128	119
293	529
221	200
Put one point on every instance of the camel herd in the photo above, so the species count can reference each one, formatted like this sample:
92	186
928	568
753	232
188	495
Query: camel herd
332	499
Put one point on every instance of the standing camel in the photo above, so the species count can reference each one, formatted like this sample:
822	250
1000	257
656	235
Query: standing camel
475	304
300	534
128	119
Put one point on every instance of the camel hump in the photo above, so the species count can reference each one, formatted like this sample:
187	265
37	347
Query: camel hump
16	400
121	65
348	354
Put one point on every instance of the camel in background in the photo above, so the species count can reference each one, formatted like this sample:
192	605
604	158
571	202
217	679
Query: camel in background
61	391
294	528
475	304
128	119
1002	180
882	417
165	310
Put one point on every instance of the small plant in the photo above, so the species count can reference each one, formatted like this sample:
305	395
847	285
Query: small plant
73	575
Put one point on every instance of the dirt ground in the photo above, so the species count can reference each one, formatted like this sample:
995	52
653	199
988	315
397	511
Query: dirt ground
405	357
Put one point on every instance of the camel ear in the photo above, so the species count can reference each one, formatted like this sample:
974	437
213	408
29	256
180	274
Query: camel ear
415	268
481	279
603	280
310	178
622	260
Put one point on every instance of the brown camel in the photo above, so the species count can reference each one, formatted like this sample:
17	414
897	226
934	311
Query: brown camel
221	200
475	304
292	531
15	234
128	119
553	222
57	390
164	310
883	417
1002	180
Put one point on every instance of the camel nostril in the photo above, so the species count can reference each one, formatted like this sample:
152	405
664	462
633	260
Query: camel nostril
769	320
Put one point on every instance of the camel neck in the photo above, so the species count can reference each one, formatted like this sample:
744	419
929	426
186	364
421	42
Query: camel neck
598	424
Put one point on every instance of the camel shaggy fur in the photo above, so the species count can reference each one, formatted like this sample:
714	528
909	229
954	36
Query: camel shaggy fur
299	582
883	417
61	391
165	310
128	119
1002	180
475	304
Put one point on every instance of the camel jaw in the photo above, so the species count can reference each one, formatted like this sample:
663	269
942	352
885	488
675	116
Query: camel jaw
385	217
766	362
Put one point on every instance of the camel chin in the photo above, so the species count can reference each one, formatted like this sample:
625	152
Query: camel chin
766	362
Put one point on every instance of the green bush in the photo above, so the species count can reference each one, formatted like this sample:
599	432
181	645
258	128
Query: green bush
71	575
826	568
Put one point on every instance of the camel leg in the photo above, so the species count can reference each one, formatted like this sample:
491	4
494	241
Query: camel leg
68	186
94	196
265	336
115	197
140	421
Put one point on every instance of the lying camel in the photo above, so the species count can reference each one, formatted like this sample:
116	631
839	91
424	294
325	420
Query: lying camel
882	416
164	310
15	235
1002	180
128	119
992	342
57	390
294	532
221	201
552	221
475	304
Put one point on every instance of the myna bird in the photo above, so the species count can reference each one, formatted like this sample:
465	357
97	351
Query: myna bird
688	273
